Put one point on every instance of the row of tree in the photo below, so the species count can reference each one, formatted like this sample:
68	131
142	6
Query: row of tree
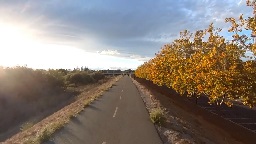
206	63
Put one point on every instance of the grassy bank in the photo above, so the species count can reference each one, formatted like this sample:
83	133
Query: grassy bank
42	131
26	93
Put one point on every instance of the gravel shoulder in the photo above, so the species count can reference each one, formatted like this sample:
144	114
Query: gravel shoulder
180	126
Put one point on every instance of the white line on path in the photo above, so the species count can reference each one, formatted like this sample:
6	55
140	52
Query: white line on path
115	112
120	97
104	143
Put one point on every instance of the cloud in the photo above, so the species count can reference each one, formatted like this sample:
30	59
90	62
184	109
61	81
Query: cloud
130	56
109	52
130	27
140	58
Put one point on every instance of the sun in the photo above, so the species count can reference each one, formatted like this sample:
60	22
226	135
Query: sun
15	44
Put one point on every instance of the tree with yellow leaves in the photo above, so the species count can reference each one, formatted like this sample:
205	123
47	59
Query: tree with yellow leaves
206	63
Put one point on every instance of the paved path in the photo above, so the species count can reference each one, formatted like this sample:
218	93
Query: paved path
119	117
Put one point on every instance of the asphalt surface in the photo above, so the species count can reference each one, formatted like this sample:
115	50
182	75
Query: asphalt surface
118	117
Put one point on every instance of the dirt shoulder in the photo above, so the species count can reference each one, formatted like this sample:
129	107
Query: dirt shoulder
42	131
180	125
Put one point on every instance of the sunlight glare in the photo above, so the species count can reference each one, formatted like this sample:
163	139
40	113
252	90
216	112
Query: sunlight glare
14	45
18	47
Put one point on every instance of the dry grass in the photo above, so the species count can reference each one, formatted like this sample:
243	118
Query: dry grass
42	131
26	125
157	116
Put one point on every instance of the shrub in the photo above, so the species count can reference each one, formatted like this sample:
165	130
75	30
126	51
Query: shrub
98	76
157	116
26	125
79	78
44	136
55	78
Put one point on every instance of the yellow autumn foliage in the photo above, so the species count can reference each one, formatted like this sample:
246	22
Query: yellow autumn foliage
205	63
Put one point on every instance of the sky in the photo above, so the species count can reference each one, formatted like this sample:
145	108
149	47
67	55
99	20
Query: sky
101	34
